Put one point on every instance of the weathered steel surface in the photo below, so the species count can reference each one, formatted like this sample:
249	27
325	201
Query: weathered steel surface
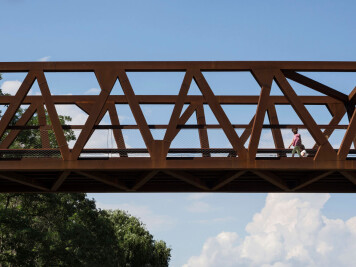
154	168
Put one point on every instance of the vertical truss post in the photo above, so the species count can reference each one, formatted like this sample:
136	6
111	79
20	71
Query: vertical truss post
203	133
119	138
276	132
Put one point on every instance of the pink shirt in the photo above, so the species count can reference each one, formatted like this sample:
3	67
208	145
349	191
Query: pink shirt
296	140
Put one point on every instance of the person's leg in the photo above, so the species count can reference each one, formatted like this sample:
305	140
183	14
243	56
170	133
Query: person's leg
298	150
293	151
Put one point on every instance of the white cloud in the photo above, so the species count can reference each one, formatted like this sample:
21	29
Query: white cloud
44	58
144	213
10	87
289	231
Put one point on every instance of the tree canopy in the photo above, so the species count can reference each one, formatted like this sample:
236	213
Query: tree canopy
68	230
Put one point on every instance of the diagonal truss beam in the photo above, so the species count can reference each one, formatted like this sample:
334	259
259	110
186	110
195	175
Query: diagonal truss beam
273	179
119	138
171	131
26	116
312	180
143	180
228	179
264	79
337	111
325	151
53	115
136	110
220	114
18	178
188	178
16	101
104	179
351	176
276	133
106	79
57	184
317	86
348	138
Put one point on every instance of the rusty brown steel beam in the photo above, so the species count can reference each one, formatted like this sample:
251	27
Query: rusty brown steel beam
273	179
90	66
351	176
228	179
220	114
104	179
143	180
26	116
60	180
171	99
325	151
53	115
321	88
203	133
264	79
146	163
312	180
188	178
18	178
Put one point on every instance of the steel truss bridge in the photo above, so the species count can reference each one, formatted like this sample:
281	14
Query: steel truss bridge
242	167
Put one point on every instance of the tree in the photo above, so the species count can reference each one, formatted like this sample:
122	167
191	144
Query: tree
136	243
67	229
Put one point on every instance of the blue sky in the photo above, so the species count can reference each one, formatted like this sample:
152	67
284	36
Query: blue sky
195	30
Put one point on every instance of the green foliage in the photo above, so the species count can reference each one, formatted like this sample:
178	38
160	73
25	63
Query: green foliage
68	230
136	244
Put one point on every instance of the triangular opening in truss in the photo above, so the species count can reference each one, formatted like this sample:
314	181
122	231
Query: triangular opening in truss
107	140
240	114
232	83
194	89
275	90
125	114
343	82
302	90
117	89
73	83
289	119
24	138
156	83
74	115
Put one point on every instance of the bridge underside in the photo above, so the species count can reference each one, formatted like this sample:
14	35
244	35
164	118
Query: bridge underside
178	175
39	152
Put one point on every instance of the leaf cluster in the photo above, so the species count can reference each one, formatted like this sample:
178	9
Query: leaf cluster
67	230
